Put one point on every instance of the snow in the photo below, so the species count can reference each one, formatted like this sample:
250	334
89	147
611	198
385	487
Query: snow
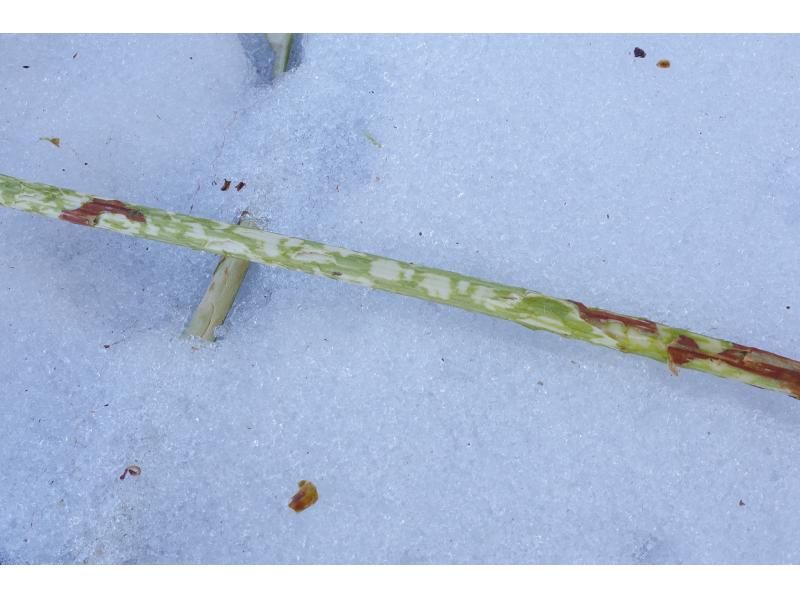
559	163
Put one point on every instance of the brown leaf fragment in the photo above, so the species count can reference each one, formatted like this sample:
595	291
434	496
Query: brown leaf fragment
663	64
305	497
240	186
54	140
133	470
225	186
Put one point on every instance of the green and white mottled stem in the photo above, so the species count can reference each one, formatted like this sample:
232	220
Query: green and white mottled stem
675	346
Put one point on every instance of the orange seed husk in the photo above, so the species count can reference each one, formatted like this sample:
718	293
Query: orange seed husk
306	496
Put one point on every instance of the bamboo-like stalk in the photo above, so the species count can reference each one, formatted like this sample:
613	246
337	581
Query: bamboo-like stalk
218	299
675	346
281	44
227	278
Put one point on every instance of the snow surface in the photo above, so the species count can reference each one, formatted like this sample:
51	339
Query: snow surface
560	163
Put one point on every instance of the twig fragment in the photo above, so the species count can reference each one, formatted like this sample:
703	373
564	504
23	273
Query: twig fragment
133	470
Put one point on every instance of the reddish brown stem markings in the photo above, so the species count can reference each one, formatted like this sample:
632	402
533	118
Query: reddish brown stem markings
763	363
597	316
89	212
682	350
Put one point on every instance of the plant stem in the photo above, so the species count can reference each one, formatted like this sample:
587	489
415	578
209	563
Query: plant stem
227	278
218	299
281	44
675	346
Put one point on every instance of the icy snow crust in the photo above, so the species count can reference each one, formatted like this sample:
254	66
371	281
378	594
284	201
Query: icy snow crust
561	164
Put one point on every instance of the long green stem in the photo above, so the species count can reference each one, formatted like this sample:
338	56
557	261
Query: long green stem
675	346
